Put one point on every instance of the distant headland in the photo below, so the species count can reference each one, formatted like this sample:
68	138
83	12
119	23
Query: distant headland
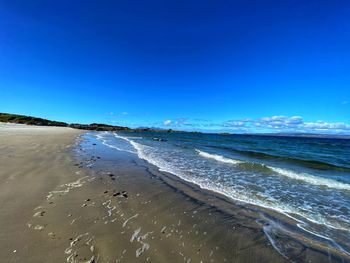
30	120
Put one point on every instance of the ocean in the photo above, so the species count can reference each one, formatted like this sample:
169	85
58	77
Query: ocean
306	180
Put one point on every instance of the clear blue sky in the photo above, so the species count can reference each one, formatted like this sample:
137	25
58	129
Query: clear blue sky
205	65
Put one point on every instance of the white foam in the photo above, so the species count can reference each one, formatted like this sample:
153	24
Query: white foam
39	227
308	178
135	234
218	158
273	226
335	244
104	142
146	153
140	238
67	187
127	220
122	137
208	185
73	250
311	179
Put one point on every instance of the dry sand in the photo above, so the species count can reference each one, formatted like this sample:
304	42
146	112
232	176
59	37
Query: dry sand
33	162
109	207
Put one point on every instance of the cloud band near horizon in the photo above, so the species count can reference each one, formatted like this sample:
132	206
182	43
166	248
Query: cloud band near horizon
261	125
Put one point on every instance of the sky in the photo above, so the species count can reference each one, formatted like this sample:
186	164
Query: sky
226	66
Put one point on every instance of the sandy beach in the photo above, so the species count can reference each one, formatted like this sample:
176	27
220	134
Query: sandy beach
174	131
33	161
67	198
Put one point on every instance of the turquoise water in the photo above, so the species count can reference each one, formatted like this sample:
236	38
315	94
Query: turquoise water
305	179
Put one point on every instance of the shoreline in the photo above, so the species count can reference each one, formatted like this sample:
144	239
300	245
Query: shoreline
40	122
103	205
282	230
233	240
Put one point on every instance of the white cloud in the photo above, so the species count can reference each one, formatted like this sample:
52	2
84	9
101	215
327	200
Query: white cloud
167	122
288	124
124	113
344	102
234	123
178	122
294	120
278	123
321	125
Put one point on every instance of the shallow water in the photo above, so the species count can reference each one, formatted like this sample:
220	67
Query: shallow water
305	179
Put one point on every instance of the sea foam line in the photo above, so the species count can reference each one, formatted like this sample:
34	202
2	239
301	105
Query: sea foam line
215	188
218	157
308	178
231	193
104	142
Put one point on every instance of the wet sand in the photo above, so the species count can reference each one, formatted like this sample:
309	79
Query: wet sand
91	203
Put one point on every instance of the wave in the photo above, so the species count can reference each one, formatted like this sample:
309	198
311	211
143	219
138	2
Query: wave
218	157
104	142
305	177
243	165
303	162
304	218
148	154
145	152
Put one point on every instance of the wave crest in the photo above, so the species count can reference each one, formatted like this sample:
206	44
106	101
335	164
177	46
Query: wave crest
305	177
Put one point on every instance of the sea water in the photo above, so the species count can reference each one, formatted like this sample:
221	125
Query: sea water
305	179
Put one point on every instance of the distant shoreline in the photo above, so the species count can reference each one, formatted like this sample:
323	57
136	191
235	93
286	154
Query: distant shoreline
30	120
